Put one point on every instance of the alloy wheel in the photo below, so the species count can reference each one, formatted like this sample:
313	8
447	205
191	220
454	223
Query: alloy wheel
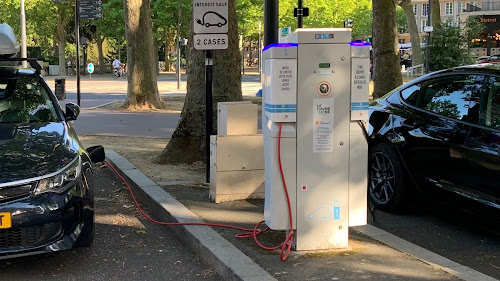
382	178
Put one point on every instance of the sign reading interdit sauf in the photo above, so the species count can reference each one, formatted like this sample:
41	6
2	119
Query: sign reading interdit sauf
210	19
210	16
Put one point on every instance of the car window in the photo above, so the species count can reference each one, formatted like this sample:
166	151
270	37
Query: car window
25	100
411	93
454	96
490	105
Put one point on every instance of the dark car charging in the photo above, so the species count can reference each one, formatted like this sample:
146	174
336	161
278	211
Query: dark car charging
439	133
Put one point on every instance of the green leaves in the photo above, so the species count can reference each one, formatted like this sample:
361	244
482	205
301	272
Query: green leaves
327	13
450	44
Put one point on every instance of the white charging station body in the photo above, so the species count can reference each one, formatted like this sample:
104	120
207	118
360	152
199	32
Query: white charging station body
323	147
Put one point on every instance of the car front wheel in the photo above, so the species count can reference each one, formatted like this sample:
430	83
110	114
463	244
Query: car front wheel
386	185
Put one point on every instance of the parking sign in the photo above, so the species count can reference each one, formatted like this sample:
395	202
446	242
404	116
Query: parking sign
210	16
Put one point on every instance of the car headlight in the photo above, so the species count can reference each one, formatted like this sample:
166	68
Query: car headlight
62	180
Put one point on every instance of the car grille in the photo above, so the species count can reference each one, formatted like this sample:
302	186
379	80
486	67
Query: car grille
29	236
9	193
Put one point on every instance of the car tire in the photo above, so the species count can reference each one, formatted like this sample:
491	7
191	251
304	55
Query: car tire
86	237
386	183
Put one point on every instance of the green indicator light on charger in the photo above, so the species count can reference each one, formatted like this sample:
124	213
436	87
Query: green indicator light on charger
324	65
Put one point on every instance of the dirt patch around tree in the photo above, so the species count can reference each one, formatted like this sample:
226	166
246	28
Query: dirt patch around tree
141	152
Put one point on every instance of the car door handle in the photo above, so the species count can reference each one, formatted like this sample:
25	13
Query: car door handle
408	124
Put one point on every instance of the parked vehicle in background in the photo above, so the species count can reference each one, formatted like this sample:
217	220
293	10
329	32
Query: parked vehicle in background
493	58
482	59
440	132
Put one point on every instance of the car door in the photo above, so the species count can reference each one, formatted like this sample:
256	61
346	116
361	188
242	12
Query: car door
435	128
483	147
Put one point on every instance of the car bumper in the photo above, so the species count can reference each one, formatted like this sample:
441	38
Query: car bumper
43	223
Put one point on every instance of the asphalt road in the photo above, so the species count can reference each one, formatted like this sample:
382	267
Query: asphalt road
457	229
126	247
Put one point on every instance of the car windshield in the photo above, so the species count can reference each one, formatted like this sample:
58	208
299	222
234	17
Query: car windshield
25	100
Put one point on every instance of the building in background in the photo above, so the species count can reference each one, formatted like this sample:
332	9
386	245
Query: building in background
456	12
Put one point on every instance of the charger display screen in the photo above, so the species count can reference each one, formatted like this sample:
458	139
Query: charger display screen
324	65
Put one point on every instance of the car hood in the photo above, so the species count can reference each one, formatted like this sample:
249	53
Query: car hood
34	150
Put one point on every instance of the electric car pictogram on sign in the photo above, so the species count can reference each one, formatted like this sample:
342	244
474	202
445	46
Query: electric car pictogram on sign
212	19
210	16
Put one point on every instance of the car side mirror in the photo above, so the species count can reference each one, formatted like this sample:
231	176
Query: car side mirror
96	153
72	111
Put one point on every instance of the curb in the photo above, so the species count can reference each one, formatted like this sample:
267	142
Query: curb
229	262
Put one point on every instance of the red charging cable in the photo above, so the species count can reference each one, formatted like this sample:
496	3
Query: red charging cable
285	246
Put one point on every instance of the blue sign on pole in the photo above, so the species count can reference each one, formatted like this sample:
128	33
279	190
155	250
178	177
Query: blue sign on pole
90	68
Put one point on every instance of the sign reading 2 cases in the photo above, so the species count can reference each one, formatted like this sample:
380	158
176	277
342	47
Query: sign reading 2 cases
210	16
210	41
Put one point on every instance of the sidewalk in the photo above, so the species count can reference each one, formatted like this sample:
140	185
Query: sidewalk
166	81
372	254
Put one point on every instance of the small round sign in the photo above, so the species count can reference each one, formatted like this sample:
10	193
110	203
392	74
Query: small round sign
324	88
90	68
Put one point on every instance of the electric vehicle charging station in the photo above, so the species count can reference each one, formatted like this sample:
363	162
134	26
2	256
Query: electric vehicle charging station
316	86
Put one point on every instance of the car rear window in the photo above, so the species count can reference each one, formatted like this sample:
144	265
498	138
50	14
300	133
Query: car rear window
25	100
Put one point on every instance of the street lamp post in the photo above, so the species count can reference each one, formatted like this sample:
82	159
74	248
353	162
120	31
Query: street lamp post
260	55
24	49
428	45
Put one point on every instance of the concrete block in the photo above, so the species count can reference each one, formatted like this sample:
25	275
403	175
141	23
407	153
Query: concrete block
236	118
238	185
236	168
236	153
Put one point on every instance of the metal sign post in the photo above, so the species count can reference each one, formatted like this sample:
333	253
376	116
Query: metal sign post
77	31
210	28
85	10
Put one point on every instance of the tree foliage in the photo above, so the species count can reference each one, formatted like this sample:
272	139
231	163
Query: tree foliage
326	13
450	44
40	22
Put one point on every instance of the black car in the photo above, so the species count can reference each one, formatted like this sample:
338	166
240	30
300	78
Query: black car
46	187
440	132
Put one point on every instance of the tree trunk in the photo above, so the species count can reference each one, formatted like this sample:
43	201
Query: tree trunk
387	71
62	21
416	49
188	141
100	40
169	34
142	91
157	58
435	13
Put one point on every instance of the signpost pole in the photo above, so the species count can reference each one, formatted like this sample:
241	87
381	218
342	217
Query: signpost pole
208	108
209	35
271	10
300	20
77	31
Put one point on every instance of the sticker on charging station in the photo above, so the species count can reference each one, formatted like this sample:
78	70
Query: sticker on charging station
323	125
324	88
360	77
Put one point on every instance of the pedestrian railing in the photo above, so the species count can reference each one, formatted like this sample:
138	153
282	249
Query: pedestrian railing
411	70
